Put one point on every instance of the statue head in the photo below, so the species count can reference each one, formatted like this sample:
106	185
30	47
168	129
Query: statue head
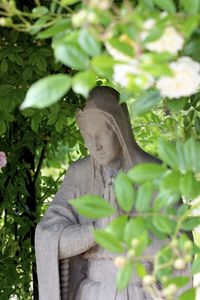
105	127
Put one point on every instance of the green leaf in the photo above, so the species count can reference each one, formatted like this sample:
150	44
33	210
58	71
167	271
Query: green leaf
92	206
124	276
189	186
4	65
68	2
171	181
177	105
167	5
190	223
108	241
117	227
143	198
163	224
103	65
124	191
135	228
60	26
72	55
178	281
190	6
196	265
167	152
88	43
188	295
47	91
146	172
39	11
146	102
165	198
121	46
140	269
83	82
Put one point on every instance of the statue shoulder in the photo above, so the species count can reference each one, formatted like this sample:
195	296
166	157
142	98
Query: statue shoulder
80	167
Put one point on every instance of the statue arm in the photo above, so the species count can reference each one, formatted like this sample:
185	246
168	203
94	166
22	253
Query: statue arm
75	239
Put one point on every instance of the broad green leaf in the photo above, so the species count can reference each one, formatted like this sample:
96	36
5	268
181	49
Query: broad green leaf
190	6
140	269
92	206
4	65
124	276
103	65
117	227
191	223
163	224
143	197
170	182
167	152
146	102
182	162
108	241
59	26
68	2
188	295
154	34
124	191
88	43
167	5
146	172
189	186
47	91
39	11
176	105
72	56
122	47
196	265
83	82
178	281
165	198
135	228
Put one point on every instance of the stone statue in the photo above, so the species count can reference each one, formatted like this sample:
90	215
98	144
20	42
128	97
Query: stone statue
70	265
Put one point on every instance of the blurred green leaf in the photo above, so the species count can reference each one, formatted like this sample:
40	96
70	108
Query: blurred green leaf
196	265
83	82
92	206
167	152
124	276
146	172
108	241
124	191
117	227
143	197
167	5
190	6
163	224
72	55
190	294
88	43
59	26
190	223
189	186
146	102
47	91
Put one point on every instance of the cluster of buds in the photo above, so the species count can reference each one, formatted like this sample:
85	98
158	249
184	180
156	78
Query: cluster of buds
83	17
182	260
120	261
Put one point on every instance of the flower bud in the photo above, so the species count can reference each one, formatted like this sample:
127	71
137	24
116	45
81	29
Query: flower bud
170	290
179	264
188	258
134	243
131	253
7	22
187	245
79	18
148	280
120	261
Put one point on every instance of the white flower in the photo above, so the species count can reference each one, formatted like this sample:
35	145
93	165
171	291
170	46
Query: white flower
171	41
122	73
185	80
3	159
149	24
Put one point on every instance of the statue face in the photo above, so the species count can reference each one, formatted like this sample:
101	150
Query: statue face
100	139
